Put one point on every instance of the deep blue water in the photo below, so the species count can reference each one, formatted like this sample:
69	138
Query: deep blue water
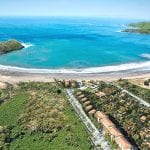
73	42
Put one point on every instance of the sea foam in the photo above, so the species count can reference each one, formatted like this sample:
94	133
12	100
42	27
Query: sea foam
147	56
105	69
27	45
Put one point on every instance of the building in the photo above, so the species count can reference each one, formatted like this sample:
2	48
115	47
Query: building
79	93
81	96
83	99
123	144
100	115
100	94
67	83
86	103
106	123
88	108
114	132
92	112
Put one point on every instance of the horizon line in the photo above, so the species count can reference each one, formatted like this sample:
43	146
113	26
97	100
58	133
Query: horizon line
76	16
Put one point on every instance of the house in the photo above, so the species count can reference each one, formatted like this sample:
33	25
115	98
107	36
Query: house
106	123
114	132
92	112
88	108
143	118
83	99
74	83
100	94
3	85
100	115
123	144
79	93
81	96
67	83
86	103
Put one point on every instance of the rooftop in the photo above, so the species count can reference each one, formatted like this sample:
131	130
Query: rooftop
114	131
122	142
92	111
88	107
81	96
100	115
86	103
79	93
100	94
107	122
84	99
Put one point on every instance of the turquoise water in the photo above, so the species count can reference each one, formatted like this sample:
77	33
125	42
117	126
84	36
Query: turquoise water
73	43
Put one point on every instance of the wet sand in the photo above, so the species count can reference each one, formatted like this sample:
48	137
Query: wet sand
15	77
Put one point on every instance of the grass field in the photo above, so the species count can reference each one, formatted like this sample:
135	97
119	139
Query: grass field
38	101
11	110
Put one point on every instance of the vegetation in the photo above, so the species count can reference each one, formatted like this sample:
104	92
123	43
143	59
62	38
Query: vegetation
9	46
129	116
39	117
6	93
147	82
141	27
137	90
11	110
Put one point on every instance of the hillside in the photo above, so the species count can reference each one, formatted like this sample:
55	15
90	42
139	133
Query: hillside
11	45
141	27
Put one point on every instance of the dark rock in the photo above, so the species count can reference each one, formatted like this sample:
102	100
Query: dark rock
11	45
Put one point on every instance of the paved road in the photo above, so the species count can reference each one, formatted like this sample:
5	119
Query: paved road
140	100
96	136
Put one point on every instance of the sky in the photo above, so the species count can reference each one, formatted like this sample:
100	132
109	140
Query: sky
139	9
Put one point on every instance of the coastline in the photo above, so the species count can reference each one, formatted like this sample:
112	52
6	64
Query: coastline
16	76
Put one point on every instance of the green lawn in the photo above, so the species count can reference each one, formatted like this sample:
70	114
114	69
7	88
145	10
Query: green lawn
10	111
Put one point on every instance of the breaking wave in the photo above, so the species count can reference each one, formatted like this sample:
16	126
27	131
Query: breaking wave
27	45
147	56
142	66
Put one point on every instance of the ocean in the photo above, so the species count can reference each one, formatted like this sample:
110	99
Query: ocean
73	45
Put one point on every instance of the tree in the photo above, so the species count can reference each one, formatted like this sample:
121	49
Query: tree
146	83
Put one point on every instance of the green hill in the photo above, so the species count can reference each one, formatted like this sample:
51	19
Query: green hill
141	27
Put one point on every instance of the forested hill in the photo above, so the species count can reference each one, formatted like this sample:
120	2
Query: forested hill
141	27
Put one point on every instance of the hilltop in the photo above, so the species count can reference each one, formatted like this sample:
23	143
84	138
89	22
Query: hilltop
141	27
10	45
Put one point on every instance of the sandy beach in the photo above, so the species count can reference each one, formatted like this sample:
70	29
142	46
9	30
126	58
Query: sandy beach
15	77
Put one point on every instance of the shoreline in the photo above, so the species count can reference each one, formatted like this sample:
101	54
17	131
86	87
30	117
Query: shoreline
124	67
16	76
